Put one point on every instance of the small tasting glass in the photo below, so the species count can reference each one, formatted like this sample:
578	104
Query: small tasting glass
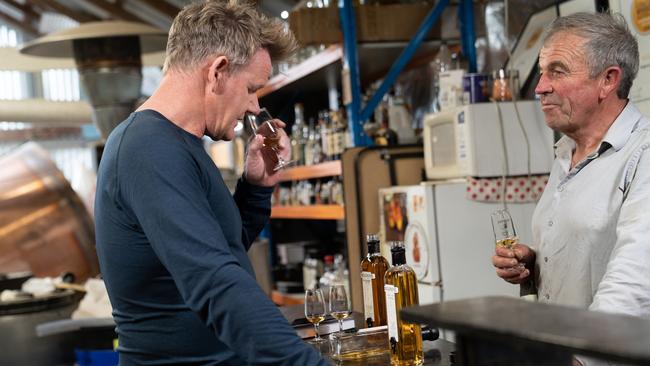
505	235
339	304
315	310
262	124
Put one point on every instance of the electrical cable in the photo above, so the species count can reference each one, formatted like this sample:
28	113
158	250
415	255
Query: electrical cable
506	167
514	92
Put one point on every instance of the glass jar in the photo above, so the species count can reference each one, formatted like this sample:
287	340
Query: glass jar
504	82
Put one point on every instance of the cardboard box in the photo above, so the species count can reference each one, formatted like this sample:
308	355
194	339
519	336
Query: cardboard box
395	22
375	23
316	25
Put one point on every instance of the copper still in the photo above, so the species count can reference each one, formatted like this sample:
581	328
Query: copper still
44	226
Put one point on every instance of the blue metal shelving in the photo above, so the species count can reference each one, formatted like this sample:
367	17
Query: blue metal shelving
352	86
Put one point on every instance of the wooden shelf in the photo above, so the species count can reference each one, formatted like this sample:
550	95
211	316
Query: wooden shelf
327	169
280	298
308	67
324	69
314	212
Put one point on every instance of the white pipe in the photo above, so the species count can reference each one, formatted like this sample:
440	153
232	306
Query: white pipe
12	60
46	112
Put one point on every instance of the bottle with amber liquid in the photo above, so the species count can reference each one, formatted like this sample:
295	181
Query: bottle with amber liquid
405	339
373	269
385	136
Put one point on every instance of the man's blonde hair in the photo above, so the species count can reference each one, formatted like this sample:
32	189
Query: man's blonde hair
224	28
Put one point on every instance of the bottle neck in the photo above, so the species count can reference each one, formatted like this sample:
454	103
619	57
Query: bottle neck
373	247
399	257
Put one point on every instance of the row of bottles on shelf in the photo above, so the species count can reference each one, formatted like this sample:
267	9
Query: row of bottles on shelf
310	192
454	86
318	140
386	290
392	123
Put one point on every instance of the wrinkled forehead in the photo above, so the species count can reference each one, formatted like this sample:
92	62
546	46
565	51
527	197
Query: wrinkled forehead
565	39
563	46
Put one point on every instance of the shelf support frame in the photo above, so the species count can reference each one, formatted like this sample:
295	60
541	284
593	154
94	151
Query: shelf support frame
350	73
404	58
468	33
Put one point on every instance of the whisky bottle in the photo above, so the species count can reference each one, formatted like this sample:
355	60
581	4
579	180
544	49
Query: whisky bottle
373	269
405	339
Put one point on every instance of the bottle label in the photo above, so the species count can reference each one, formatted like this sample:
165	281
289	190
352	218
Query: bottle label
391	311
368	303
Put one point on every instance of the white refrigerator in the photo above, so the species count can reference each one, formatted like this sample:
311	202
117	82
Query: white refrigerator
448	238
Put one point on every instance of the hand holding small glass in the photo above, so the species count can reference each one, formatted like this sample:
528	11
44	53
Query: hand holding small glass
262	124
505	235
339	304
315	310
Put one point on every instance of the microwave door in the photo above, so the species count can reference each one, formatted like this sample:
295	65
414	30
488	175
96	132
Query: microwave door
440	145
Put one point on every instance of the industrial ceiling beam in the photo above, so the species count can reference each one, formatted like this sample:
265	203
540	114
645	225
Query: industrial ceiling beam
56	7
116	11
22	25
27	10
162	7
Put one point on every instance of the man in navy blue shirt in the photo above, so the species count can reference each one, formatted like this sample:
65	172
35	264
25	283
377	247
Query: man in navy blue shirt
171	238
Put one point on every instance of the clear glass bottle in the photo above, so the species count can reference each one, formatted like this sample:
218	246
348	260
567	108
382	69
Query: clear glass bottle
441	63
401	291
336	191
314	135
337	134
297	139
341	273
312	271
327	279
323	126
373	269
311	150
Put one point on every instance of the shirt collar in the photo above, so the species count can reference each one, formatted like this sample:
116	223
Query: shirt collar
619	132
616	137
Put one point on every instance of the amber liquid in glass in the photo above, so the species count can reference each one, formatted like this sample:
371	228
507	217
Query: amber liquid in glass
507	243
271	142
316	319
338	315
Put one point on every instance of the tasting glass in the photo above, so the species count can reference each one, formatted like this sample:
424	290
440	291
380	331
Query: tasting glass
315	310
339	305
262	124
505	235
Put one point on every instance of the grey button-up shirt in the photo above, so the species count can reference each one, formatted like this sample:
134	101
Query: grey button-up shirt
591	228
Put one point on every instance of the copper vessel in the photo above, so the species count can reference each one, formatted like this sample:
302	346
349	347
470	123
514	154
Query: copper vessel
44	226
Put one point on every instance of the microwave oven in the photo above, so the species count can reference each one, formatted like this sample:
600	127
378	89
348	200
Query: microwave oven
469	141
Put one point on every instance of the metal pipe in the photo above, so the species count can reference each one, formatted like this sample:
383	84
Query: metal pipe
46	112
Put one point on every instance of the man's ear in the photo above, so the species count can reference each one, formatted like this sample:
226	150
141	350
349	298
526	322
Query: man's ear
611	79
217	73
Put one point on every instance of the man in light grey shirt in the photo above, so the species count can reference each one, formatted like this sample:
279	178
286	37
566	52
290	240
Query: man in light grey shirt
591	228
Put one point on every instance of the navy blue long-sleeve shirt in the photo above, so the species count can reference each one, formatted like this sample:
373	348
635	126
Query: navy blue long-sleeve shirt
172	244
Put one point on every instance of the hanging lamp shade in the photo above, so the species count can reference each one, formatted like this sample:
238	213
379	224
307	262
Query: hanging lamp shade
108	57
59	44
